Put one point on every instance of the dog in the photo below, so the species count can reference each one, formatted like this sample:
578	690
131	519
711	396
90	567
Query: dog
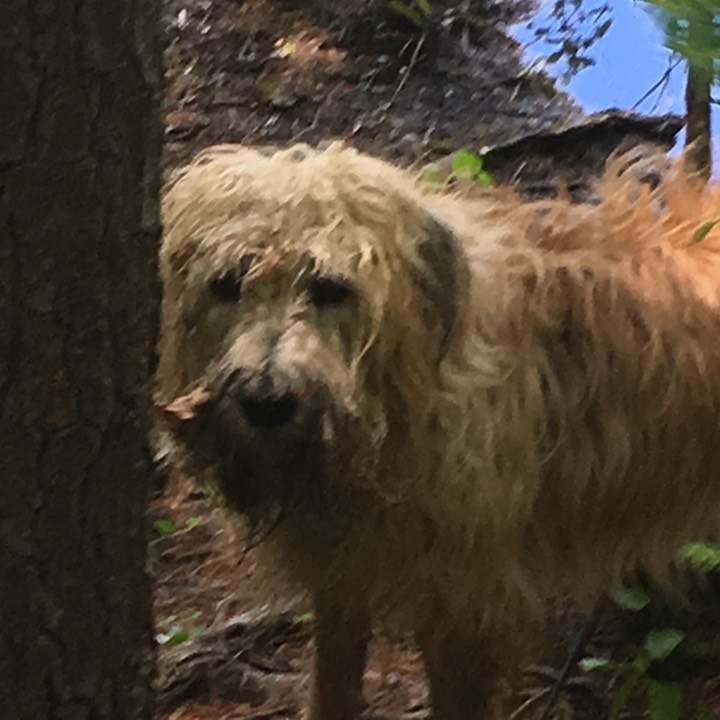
443	411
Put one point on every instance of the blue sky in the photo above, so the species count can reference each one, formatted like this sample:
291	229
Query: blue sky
630	59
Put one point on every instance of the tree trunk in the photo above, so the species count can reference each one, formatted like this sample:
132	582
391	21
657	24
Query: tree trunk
698	155
79	157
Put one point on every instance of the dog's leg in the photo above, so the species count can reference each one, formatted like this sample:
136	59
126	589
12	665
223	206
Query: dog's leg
463	676
341	638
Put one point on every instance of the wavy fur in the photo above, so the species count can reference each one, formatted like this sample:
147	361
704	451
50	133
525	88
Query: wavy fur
524	408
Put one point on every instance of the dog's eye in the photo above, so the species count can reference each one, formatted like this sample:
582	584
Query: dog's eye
328	292
227	286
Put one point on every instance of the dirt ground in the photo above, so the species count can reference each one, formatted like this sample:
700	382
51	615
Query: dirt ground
272	71
207	582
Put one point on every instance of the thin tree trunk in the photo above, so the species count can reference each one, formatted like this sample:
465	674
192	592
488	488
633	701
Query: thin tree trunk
698	155
79	153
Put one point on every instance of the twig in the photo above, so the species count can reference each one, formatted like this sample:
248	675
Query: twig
577	650
409	69
662	81
535	697
316	119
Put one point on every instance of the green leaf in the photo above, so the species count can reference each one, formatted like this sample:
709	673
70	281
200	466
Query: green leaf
467	165
174	636
194	522
179	637
664	701
632	598
702	555
660	643
416	15
595	663
484	178
166	526
307	617
703	229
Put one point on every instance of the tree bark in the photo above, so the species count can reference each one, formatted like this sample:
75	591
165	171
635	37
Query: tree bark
698	157
698	147
79	156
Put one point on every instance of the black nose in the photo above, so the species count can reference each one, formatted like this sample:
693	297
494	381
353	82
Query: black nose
268	412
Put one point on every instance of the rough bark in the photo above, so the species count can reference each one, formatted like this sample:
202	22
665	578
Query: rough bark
79	151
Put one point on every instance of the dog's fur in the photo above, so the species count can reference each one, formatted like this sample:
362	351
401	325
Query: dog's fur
445	411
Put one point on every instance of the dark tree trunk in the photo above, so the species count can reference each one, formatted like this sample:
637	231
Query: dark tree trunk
79	149
697	100
698	156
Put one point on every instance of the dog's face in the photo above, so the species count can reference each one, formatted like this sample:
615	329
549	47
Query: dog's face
288	317
273	342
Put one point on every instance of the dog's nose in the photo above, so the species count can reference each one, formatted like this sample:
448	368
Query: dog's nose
268	412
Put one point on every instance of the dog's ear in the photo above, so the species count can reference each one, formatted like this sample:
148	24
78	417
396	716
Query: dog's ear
444	279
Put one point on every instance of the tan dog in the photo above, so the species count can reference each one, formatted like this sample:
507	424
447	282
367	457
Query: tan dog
444	411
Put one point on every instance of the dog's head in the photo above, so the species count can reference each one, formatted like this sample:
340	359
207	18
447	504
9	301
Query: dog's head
309	302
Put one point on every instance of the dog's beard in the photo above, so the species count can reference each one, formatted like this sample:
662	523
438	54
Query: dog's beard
264	475
260	472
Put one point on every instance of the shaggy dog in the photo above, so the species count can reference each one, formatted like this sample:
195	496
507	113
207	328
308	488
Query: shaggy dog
442	411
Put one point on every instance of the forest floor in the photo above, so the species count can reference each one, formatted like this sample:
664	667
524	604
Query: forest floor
247	668
274	71
265	71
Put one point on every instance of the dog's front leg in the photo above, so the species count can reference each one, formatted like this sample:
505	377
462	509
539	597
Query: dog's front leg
341	638
463	674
